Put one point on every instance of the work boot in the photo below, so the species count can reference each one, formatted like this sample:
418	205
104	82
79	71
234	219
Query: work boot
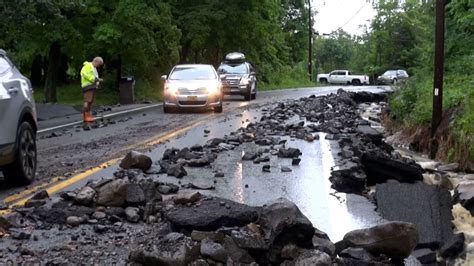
88	118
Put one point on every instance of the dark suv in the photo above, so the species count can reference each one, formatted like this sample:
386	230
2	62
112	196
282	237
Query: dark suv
17	124
238	76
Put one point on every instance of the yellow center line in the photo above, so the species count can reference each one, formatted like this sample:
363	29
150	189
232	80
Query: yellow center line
59	183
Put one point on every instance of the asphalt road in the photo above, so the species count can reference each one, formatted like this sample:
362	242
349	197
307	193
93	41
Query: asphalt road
73	157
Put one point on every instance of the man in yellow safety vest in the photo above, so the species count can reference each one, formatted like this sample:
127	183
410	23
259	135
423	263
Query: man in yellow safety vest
89	82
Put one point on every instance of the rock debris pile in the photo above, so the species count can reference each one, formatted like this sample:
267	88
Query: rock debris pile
153	223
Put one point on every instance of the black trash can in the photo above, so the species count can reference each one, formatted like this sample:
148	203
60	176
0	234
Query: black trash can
127	90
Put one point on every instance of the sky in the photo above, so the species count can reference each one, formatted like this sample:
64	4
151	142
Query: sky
348	14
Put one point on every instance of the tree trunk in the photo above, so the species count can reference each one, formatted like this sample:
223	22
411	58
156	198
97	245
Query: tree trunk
36	77
185	52
54	60
119	72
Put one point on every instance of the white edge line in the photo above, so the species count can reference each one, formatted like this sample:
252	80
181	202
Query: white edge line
100	117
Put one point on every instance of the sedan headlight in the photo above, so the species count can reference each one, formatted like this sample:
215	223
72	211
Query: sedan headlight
171	89
214	88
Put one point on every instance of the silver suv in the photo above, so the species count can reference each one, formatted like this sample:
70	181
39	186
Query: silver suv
17	124
238	76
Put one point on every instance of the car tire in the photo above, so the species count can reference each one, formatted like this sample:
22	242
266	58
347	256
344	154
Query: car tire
356	82
167	109
248	96
218	109
22	171
254	95
394	82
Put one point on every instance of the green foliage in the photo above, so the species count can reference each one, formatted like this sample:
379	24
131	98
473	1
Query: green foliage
145	38
288	77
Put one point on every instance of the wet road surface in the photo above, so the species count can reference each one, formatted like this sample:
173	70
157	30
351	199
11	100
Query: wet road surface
64	159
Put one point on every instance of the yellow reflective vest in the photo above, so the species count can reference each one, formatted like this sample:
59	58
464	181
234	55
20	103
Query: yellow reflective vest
88	76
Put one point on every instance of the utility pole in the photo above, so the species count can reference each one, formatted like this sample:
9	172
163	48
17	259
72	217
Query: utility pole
438	76
310	43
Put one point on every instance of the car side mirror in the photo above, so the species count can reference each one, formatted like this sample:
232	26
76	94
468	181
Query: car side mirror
164	77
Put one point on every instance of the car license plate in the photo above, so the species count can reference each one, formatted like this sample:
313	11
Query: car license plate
192	98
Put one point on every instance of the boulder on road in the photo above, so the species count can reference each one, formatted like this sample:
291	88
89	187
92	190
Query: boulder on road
453	246
85	196
187	198
132	214
309	257
213	250
137	160
112	194
173	250
134	195
349	178
375	136
379	169
394	239
211	214
428	207
177	170
283	223
289	153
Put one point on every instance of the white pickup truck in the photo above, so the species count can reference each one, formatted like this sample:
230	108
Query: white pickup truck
343	77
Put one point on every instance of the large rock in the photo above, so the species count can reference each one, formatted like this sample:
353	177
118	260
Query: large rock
349	178
176	170
213	250
394	239
428	207
282	220
59	214
250	238
112	194
309	257
324	245
371	133
132	214
357	254
137	160
282	223
453	246
424	255
134	195
464	194
85	196
211	214
289	153
236	254
187	198
380	168
173	250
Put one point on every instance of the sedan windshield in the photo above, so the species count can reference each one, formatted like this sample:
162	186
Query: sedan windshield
233	69
193	73
390	73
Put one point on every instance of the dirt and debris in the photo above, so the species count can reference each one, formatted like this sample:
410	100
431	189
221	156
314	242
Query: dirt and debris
133	217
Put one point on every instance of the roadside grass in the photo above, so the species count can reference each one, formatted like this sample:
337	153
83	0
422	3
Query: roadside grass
72	94
411	106
145	91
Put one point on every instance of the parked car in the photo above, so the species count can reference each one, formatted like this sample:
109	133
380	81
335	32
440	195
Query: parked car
392	77
238	76
18	124
343	77
192	86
